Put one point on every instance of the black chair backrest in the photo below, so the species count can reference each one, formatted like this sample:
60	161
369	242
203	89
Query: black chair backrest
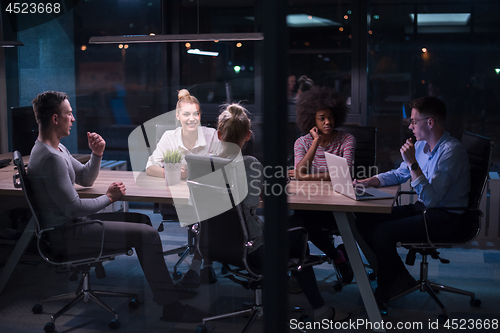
365	154
199	166
479	149
24	129
51	245
24	183
222	237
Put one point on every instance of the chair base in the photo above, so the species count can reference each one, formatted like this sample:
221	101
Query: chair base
424	285
255	311
85	294
183	252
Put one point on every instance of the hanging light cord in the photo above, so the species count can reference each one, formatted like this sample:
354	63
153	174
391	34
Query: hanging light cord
198	14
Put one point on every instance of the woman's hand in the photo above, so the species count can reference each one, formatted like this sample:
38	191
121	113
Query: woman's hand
315	133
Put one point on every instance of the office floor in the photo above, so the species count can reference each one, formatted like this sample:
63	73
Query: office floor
471	269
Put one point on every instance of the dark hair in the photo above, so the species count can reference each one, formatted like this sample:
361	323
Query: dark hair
305	83
46	104
319	99
430	106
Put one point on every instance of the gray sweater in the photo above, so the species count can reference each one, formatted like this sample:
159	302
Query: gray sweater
53	174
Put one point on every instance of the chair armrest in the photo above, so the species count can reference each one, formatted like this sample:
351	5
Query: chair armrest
406	192
398	196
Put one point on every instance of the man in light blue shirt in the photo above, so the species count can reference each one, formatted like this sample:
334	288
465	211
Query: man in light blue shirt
438	167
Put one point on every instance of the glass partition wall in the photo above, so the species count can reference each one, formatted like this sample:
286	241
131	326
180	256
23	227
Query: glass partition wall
414	48
404	50
448	49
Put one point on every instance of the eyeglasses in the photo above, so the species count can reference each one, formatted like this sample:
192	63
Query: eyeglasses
415	121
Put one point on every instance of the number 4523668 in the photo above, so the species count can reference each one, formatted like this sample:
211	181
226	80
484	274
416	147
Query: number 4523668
33	8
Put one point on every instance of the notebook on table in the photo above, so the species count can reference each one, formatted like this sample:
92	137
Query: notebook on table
341	179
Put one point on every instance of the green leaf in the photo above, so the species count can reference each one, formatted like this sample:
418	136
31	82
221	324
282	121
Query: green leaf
172	156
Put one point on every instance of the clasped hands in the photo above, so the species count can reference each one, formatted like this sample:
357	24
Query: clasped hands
115	191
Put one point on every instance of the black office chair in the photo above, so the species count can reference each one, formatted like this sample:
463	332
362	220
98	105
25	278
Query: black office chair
224	237
52	248
479	150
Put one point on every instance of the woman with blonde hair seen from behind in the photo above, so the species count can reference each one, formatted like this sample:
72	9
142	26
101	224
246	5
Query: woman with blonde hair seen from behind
189	138
234	127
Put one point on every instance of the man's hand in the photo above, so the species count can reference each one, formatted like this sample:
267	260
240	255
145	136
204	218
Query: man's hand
369	182
408	152
315	133
116	191
96	143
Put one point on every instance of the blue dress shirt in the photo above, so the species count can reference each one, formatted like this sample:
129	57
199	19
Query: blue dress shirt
446	174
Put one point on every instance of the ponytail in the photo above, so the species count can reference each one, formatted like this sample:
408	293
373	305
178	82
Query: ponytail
233	123
185	97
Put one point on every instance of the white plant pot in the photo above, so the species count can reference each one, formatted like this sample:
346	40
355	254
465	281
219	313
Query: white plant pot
172	173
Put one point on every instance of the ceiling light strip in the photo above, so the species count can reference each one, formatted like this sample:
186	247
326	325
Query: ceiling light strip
223	37
8	43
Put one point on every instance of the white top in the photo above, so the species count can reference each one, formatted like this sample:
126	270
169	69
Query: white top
207	144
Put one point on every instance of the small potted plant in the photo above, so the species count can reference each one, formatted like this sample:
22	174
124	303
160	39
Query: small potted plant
172	166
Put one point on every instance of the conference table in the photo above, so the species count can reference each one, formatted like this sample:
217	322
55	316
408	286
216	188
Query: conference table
302	195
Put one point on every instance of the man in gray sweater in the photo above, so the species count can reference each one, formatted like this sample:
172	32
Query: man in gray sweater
53	173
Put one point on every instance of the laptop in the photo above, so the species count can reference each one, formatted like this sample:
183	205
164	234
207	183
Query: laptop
341	179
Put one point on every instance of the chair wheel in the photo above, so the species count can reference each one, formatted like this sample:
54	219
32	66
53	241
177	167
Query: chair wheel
37	309
442	318
177	275
475	302
372	276
201	329
337	286
134	304
49	327
114	324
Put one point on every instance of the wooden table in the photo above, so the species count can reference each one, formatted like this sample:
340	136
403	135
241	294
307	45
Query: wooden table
302	195
318	195
10	168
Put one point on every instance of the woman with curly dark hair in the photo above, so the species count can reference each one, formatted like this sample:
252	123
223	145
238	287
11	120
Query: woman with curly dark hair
319	111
